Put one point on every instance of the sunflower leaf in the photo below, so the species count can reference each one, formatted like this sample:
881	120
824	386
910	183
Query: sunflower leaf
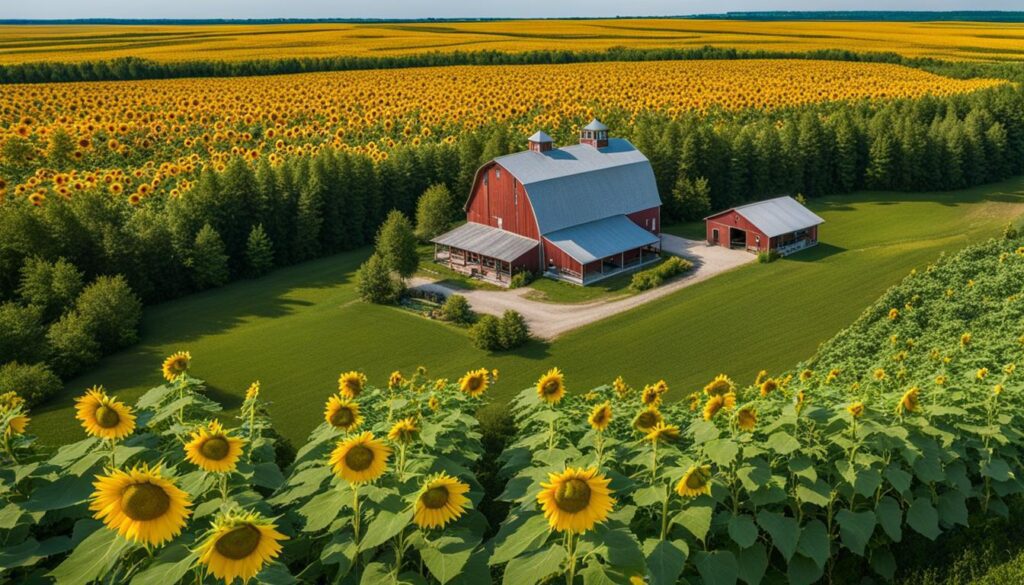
922	517
384	526
168	567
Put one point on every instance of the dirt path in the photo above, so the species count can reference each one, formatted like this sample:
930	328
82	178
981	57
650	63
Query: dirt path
549	320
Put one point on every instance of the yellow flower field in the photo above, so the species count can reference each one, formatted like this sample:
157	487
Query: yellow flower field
176	125
943	40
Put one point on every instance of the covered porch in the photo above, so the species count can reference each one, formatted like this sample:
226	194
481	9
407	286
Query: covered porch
602	249
484	252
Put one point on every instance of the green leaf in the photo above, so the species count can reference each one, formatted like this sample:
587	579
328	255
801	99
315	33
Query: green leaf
594	574
782	443
754	474
817	492
446	556
384	525
323	508
534	567
996	468
855	529
525	532
722	451
617	546
898	479
68	490
802	466
649	495
267	475
785	531
753	562
883	562
169	566
742	530
340	550
923	518
803	571
91	559
704	431
953	508
814	542
890	517
696	519
717	567
868	480
665	563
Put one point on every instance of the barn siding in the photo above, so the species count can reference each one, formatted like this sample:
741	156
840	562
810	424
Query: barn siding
649	219
725	220
553	253
497	194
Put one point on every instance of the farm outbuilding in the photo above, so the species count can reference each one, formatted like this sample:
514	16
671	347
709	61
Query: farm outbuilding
579	213
781	224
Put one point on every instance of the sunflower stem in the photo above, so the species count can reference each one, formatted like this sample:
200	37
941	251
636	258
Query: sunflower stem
654	465
570	550
600	449
224	487
113	451
355	511
9	450
551	434
664	514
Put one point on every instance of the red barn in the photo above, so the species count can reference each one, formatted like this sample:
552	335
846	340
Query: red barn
578	213
781	224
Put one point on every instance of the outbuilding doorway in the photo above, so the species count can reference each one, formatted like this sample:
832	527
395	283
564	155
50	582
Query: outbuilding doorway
737	238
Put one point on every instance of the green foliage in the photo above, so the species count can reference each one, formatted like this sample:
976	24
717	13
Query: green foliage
486	333
59	149
690	199
456	309
512	330
520	279
33	382
53	286
767	256
656	276
259	252
111	312
21	332
72	346
434	212
396	244
209	262
376	284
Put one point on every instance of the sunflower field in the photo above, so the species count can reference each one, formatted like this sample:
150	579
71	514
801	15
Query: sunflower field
904	424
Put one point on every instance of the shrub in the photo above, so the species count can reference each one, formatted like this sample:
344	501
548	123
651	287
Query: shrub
767	256
52	286
396	245
513	330
456	309
21	332
486	333
375	283
71	344
434	211
521	279
33	382
654	277
111	312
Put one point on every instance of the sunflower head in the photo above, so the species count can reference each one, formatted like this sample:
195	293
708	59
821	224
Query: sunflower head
494	375
981	374
175	365
12	408
965	339
475	382
404	431
102	416
910	400
351	384
663	433
878	374
768	386
395	380
253	391
856	409
650	396
832	375
551	386
441	500
434	404
360	458
647	419
998	390
695	482
575	500
761	377
342	413
694	399
718	402
213	449
806	375
722	384
140	504
894	313
620	386
600	416
746	418
239	545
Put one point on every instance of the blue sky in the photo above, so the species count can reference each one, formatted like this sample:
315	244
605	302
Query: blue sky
450	8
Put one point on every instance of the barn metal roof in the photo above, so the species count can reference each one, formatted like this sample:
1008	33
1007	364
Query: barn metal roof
602	238
595	124
778	216
540	136
487	241
578	184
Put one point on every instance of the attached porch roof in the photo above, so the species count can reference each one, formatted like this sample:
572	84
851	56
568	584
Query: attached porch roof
487	241
602	238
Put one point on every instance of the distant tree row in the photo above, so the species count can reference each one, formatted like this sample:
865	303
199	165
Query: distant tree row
130	68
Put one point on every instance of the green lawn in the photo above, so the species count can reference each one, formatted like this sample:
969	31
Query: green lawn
296	329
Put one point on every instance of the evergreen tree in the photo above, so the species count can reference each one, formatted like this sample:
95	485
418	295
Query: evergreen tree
396	244
434	212
846	155
209	262
693	198
111	311
879	171
50	286
259	252
21	332
375	284
308	222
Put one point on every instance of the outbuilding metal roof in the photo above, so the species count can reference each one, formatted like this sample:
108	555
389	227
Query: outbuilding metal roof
602	238
778	216
578	184
487	241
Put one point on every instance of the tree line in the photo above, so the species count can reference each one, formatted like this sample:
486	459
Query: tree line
134	68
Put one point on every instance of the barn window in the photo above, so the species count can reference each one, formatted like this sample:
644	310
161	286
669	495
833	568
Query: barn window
757	241
497	173
714	235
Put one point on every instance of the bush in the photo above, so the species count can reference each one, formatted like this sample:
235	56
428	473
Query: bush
656	276
513	330
434	212
396	245
21	332
52	286
111	312
486	333
71	344
33	382
375	283
520	279
768	256
456	309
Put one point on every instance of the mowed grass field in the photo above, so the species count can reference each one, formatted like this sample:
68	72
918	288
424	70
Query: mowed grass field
233	42
297	328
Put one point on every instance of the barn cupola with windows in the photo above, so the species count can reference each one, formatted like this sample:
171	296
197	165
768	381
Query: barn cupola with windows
594	134
540	142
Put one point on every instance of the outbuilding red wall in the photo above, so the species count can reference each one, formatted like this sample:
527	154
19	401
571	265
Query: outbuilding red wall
725	220
553	253
498	195
649	219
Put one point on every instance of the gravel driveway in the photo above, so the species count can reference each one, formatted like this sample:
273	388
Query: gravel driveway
549	320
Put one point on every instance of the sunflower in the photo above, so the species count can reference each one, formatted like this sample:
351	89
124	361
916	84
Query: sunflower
433	403
576	499
965	339
746	418
650	396
395	380
647	419
361	458
600	416
940	380
342	414
441	500
720	385
474	383
878	374
620	386
717	402
856	409
694	399
239	545
806	375
761	377
998	390
981	374
910	400
351	384
551	386
213	449
832	375
768	386
662	433
494	375
404	431
102	416
140	504
894	313
696	481
253	391
10	401
175	365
